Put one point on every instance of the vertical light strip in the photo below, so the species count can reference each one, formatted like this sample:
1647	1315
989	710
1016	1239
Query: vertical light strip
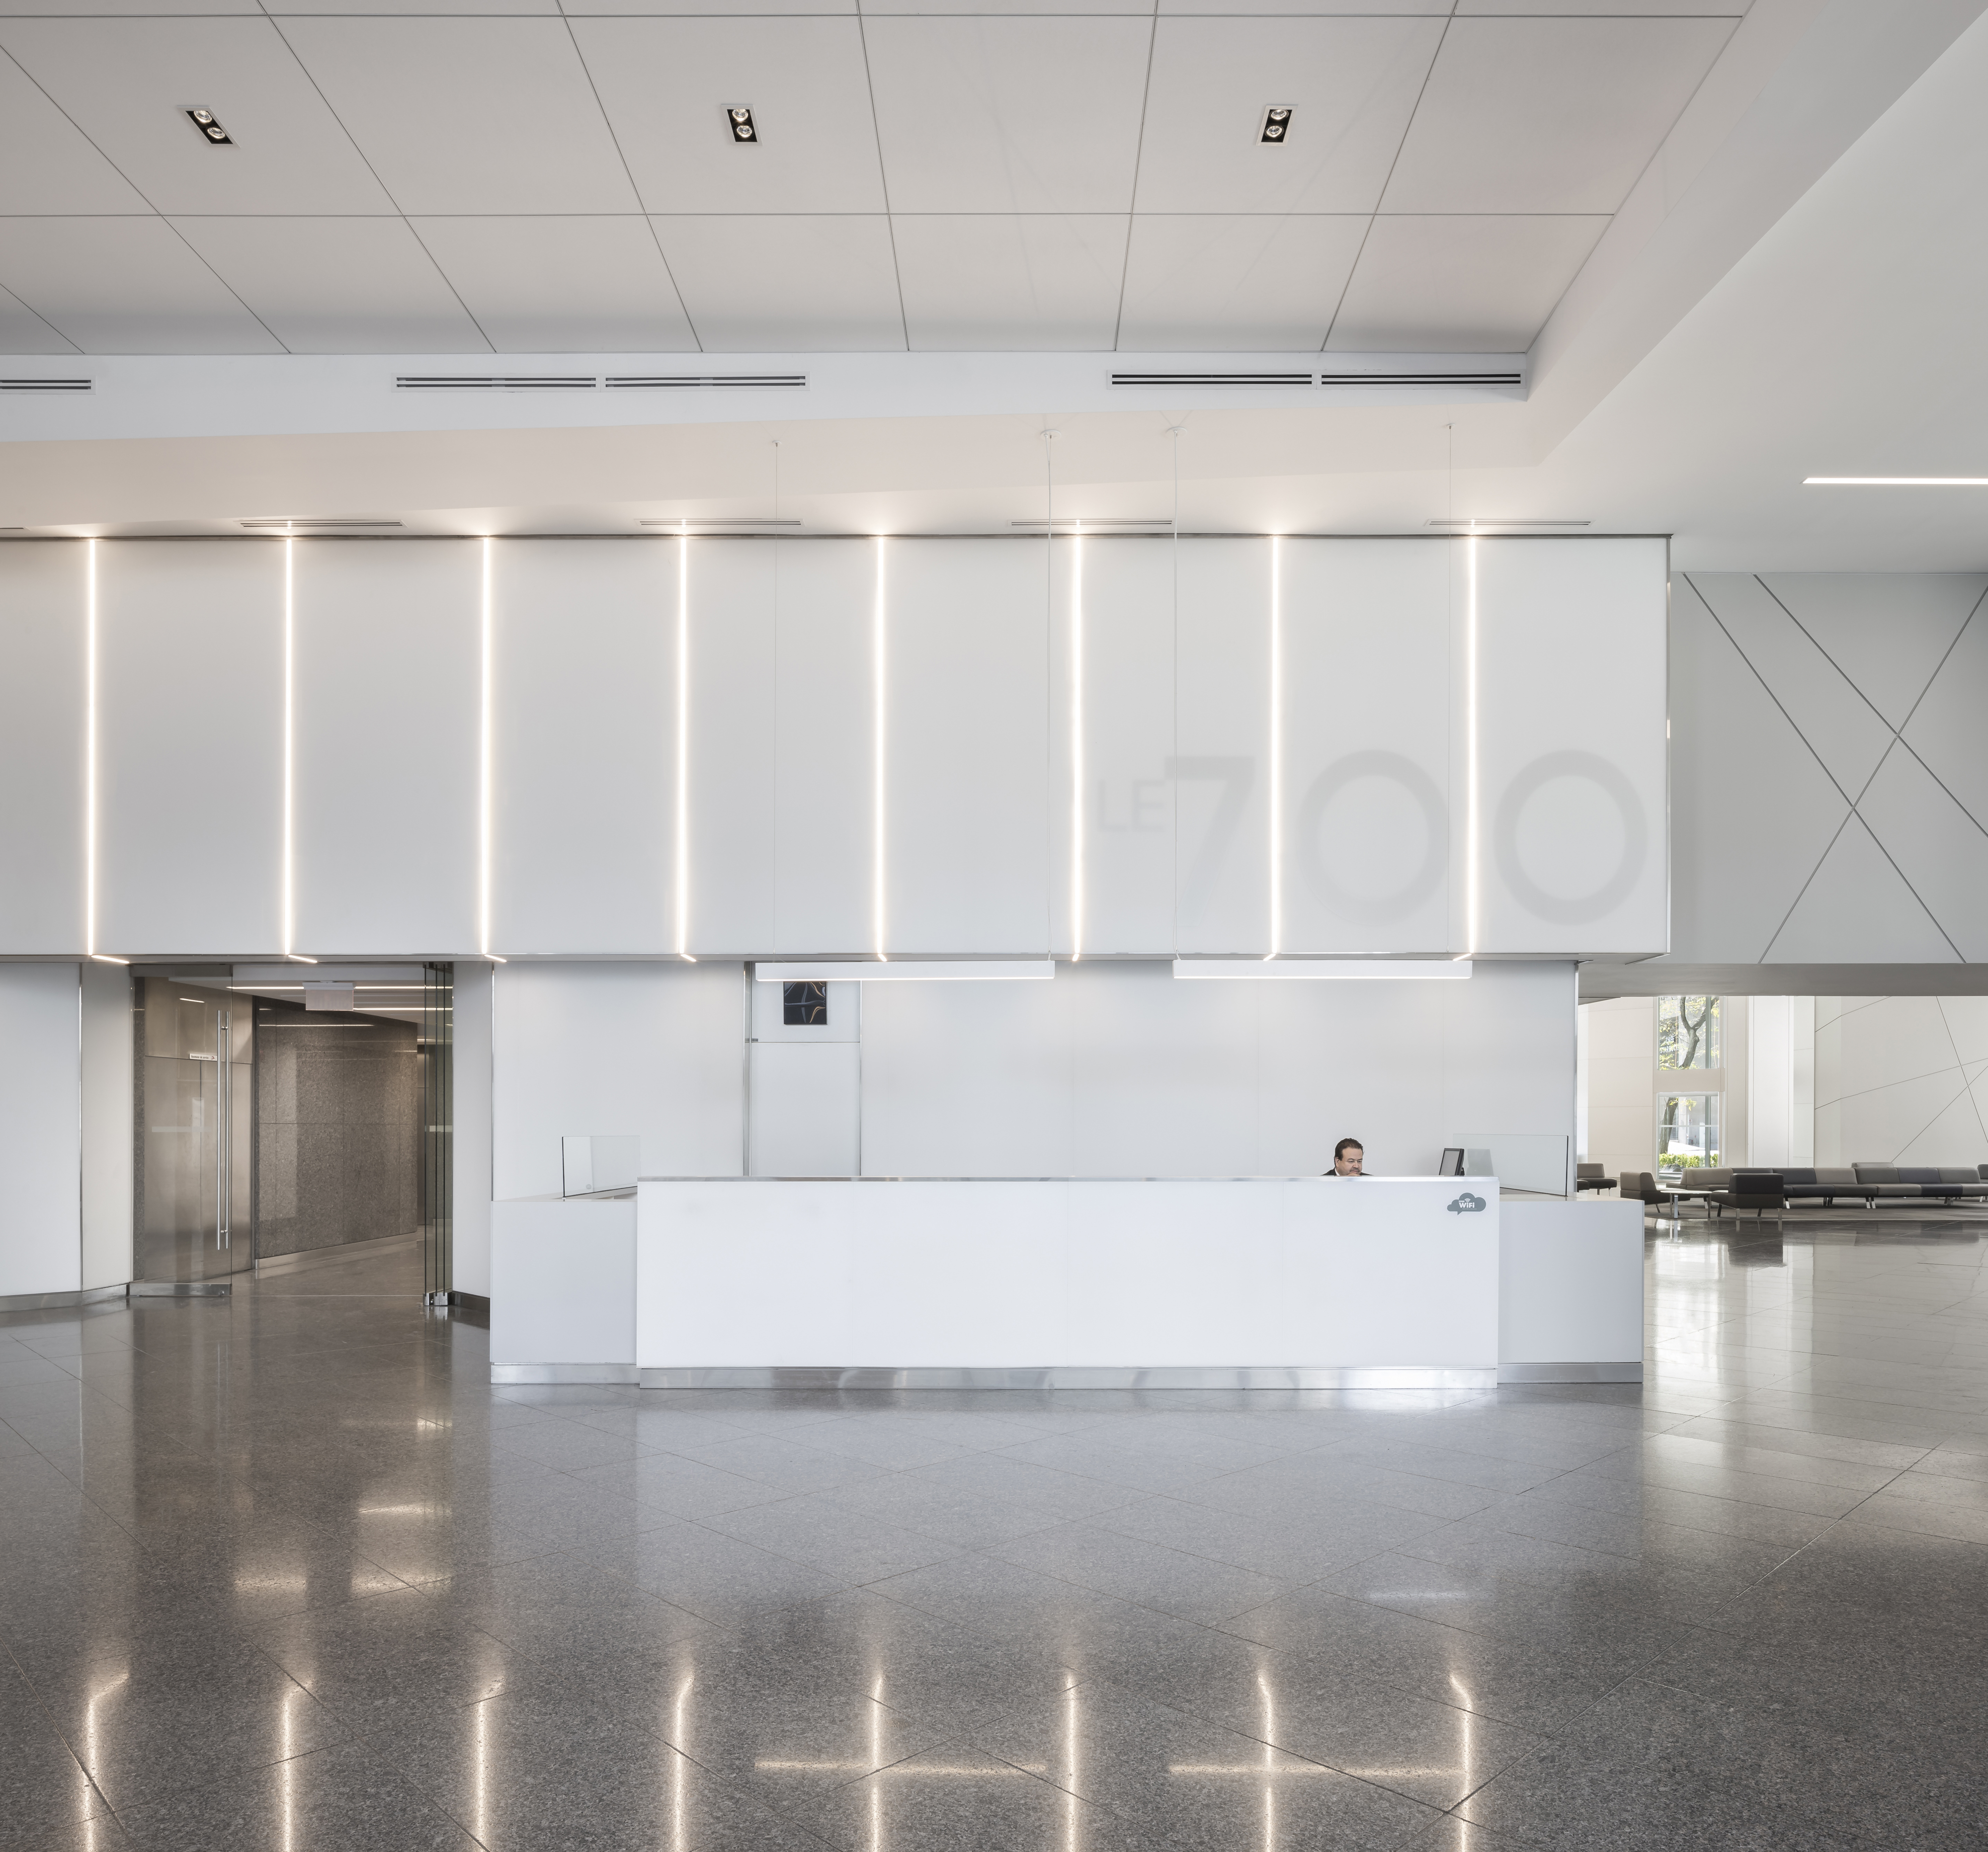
1470	740
90	752
1078	773
1276	745
879	717
682	882
483	774
289	749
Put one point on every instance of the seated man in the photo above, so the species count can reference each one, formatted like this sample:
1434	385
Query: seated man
1347	1158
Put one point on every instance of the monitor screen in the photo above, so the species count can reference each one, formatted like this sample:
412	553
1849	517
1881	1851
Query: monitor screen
1452	1161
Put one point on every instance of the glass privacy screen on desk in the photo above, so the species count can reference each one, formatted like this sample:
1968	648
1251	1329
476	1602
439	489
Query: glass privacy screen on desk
593	1162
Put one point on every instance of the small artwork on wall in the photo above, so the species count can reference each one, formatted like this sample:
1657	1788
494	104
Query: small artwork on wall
804	1005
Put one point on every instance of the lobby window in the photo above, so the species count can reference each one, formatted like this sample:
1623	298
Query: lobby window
1687	1131
803	1006
1688	1032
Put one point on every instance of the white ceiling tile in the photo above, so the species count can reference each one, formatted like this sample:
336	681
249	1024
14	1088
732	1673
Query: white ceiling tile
336	286
125	285
679	8
1232	284
485	115
1009	115
667	83
1392	8
128	82
1446	284
885	9
780	283
22	331
1668	9
1012	284
414	9
1548	115
1351	84
562	285
46	162
118	9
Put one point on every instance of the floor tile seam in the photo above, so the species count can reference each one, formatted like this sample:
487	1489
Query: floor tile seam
1662	1559
1761	1472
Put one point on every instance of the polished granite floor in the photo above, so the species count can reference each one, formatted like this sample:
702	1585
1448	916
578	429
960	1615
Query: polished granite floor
287	1573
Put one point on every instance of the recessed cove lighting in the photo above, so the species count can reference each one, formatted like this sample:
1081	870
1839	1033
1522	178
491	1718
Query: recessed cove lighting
1896	481
740	120
302	523
1276	124
203	119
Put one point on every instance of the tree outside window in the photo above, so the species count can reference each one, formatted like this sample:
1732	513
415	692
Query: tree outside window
1687	1131
1688	1032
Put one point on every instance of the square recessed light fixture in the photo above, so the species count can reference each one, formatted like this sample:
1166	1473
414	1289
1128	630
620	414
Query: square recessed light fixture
741	119
204	120
1276	124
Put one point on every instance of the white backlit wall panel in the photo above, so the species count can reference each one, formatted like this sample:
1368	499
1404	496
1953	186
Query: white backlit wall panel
43	591
583	726
1116	1070
190	733
1111	845
1222	769
1367	838
729	901
967	724
1572	836
822	745
388	642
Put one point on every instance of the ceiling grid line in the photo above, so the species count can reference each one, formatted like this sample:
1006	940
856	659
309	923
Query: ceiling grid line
621	154
366	161
1132	200
884	179
1408	128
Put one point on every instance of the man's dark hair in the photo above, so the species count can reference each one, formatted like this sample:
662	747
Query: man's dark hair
1340	1149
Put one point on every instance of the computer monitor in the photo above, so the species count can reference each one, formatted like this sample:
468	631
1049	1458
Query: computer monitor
1452	1161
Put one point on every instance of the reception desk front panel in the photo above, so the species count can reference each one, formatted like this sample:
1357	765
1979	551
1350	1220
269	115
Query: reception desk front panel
1260	1280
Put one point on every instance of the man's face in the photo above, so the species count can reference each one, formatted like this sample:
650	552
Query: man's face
1347	1164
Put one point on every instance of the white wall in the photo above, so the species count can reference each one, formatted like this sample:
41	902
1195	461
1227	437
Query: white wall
1902	1080
1829	796
107	1104
1117	1069
1621	1074
1273	740
41	1225
656	1051
1780	1080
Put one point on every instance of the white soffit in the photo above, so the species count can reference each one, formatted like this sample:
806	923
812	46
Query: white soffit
990	281
335	285
1015	114
1473	284
908	971
547	284
126	83
1210	279
469	115
1441	970
665	84
132	285
803	282
1351	83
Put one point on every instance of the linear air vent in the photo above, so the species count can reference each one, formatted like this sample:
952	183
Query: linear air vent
739	521
304	524
1095	521
45	386
1308	379
495	382
676	382
1421	379
1210	379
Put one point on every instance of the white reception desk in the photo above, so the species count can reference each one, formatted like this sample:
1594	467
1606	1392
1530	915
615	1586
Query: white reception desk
1248	1282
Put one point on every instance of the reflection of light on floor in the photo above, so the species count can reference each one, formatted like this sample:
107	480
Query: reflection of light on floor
420	1509
92	1749
679	1765
1070	1804
1469	1733
482	1829
277	1585
287	1777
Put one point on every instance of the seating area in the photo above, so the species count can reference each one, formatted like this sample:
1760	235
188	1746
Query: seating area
1758	1189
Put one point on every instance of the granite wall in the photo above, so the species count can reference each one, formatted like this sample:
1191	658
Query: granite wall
337	1129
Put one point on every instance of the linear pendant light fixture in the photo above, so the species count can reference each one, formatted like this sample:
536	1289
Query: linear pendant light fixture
680	898
1447	970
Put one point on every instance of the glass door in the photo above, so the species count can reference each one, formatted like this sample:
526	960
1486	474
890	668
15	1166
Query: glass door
195	1105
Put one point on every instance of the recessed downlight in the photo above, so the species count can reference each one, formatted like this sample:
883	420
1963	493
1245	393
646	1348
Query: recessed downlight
204	120
1276	124
740	120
